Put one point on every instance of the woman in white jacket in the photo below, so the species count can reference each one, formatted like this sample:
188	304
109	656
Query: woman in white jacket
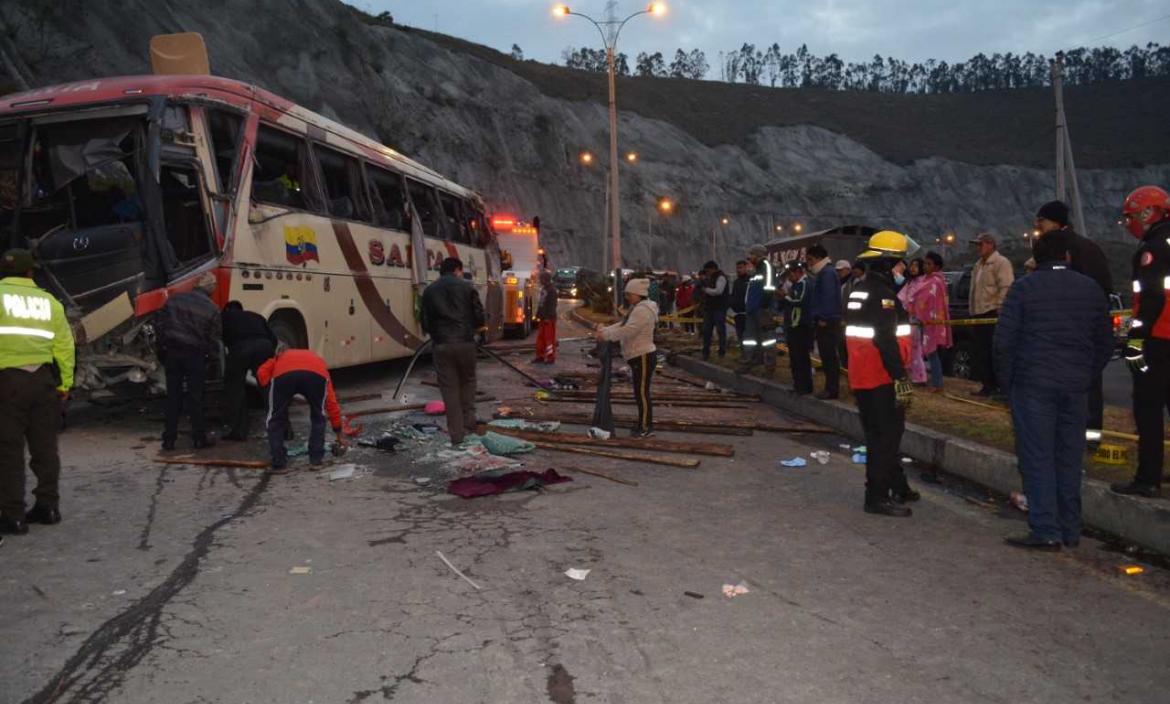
636	335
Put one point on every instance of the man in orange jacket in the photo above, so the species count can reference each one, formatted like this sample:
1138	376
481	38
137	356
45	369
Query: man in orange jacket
295	372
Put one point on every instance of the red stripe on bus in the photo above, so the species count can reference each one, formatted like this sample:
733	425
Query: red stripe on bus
369	291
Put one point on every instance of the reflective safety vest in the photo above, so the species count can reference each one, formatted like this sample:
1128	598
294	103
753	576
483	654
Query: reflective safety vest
33	329
1151	285
877	334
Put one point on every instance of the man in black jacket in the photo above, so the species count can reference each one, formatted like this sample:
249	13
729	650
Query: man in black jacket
1085	257
715	292
1052	339
250	343
739	298
451	315
188	331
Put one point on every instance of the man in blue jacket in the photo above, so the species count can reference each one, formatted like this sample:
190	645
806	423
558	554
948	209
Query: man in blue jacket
1053	338
825	311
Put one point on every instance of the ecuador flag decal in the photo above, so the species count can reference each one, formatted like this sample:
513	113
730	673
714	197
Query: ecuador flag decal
300	245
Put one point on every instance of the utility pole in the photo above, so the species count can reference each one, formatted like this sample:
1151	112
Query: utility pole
1067	189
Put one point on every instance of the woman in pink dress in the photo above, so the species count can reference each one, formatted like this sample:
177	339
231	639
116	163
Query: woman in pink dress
932	304
907	296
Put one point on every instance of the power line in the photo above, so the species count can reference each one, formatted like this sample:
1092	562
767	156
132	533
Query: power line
1129	29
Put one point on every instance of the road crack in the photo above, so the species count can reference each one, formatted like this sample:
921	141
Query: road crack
101	663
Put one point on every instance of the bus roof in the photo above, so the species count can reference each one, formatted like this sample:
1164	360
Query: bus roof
245	96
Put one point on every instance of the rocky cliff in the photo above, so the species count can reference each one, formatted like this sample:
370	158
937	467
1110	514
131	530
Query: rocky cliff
923	164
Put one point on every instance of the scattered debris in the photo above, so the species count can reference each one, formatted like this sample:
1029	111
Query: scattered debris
794	462
548	426
497	482
435	408
1018	501
422	481
579	575
599	433
301	569
690	448
456	570
710	386
858	458
119	592
733	590
618	455
386	443
694	595
345	471
1131	570
202	462
603	475
387	409
821	456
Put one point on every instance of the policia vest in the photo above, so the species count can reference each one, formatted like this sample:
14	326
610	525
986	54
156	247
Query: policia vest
33	329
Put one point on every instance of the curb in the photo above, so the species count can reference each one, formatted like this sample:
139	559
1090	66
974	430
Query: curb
1142	521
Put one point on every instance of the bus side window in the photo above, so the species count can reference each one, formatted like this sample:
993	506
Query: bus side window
452	213
342	181
225	128
388	197
280	174
423	198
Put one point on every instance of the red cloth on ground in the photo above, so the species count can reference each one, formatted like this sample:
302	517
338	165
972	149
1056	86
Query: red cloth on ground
487	485
546	341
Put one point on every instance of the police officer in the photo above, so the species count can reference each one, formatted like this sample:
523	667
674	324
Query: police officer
1146	215
877	334
759	336
34	335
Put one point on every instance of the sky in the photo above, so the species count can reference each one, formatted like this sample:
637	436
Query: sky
912	30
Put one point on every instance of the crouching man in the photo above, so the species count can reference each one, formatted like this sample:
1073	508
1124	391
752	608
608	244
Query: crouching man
301	373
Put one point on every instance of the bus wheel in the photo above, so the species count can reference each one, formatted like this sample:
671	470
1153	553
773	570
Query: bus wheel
289	328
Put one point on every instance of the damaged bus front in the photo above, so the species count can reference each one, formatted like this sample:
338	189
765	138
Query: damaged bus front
113	201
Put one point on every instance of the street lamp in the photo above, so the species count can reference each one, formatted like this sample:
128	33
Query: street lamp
632	157
610	29
587	158
665	206
797	228
724	221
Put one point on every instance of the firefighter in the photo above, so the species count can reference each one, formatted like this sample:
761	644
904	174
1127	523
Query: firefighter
877	334
34	336
759	337
1146	215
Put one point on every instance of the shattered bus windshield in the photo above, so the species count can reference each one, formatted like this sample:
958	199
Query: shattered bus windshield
110	203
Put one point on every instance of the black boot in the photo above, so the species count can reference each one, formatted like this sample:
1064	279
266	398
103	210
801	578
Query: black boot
11	526
44	515
1031	542
1135	489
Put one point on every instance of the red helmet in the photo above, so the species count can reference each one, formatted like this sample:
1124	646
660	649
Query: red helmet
1144	207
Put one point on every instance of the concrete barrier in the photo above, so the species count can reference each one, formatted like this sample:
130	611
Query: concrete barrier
1142	521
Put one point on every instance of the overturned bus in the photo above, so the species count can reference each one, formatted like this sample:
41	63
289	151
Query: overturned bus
128	189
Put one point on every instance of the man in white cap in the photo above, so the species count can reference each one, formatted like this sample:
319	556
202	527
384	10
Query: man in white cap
636	334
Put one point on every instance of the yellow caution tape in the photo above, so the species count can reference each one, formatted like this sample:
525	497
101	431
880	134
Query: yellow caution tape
963	322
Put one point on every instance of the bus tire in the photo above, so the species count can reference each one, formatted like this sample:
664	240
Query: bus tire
289	328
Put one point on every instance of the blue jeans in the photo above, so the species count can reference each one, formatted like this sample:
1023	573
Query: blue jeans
934	365
1050	446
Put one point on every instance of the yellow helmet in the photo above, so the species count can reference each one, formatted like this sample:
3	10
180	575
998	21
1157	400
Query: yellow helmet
886	243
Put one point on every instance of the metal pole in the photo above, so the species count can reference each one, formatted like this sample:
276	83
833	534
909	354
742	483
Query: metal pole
650	239
1077	210
615	220
605	232
1058	90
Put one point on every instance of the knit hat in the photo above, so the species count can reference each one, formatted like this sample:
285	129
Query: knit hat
758	250
843	264
1055	211
638	287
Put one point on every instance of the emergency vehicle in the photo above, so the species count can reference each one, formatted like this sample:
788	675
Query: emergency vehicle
522	259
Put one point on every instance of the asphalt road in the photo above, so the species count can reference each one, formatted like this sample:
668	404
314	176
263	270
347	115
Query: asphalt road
179	584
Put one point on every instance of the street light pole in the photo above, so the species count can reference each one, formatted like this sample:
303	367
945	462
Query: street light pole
610	30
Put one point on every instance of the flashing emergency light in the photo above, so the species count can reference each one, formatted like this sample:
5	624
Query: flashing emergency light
511	280
503	222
